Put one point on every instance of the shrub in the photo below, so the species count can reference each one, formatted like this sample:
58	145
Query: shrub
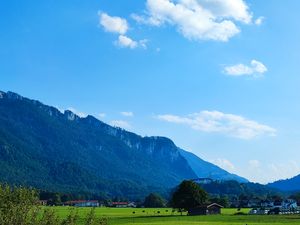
18	206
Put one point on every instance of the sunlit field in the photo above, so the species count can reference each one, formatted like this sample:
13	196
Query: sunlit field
129	216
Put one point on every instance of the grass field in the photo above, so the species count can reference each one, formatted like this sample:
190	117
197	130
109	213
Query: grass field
129	216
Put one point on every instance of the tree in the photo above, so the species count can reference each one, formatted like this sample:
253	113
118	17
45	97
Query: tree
223	201
154	200
188	195
19	206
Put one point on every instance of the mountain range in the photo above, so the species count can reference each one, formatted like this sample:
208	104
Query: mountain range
43	147
292	184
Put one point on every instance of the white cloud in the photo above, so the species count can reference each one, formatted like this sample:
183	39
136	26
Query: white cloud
255	68
269	171
77	112
224	164
120	123
259	20
113	24
128	114
198	19
126	42
283	170
218	122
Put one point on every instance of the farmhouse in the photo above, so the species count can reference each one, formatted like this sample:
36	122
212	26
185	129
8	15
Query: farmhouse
83	203
123	204
208	209
42	202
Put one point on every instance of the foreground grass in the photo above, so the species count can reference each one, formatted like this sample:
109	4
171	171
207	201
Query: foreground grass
167	217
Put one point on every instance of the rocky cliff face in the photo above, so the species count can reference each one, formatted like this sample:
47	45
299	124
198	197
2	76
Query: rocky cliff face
42	147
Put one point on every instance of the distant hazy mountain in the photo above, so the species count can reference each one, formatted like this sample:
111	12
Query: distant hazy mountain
292	184
47	149
205	169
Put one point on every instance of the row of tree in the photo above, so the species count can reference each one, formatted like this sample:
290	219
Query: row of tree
187	194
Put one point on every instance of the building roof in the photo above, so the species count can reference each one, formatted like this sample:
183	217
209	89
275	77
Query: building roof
207	206
119	203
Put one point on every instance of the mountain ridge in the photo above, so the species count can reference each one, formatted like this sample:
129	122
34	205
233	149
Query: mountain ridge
206	169
45	148
291	184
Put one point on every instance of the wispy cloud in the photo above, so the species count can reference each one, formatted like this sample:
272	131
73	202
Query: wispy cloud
121	123
254	163
198	19
259	20
255	68
224	164
128	114
219	122
101	115
265	172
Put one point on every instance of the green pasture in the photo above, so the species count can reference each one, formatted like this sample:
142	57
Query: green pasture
129	216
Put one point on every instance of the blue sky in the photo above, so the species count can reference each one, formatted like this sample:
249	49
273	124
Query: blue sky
221	78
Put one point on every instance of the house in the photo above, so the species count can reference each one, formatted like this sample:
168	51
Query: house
267	204
120	204
82	203
289	204
132	204
43	202
208	209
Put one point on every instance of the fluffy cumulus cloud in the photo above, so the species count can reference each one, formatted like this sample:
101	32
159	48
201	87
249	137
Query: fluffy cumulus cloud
198	19
113	24
219	122
126	42
255	68
121	123
118	25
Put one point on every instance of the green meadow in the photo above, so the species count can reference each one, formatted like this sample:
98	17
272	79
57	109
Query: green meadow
129	216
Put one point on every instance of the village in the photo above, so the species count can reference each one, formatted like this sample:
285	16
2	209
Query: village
288	206
257	207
